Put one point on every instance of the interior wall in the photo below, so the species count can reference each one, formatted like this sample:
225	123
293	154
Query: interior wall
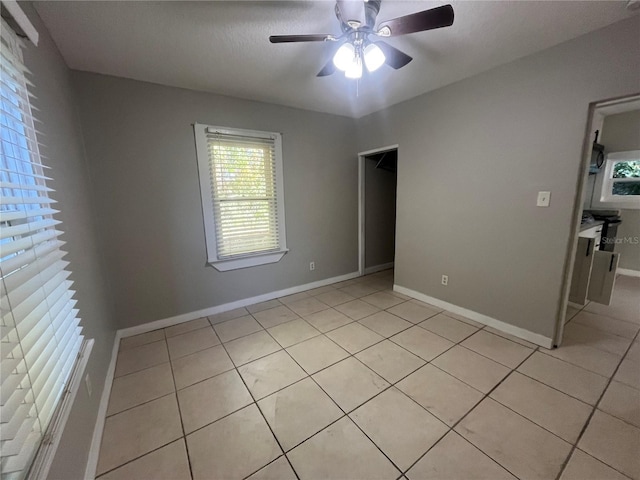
62	146
621	133
380	213
140	145
474	156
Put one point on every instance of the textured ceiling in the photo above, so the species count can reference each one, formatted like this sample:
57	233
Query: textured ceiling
223	46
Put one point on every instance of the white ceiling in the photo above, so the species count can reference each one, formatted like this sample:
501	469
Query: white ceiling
223	46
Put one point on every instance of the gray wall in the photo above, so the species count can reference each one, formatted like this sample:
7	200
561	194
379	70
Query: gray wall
621	133
473	156
380	215
140	145
63	146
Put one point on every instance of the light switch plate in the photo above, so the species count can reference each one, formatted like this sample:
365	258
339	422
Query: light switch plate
543	199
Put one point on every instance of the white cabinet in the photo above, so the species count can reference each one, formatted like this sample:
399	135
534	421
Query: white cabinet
603	276
594	271
593	232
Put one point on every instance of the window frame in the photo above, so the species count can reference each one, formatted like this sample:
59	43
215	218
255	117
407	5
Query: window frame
606	195
207	198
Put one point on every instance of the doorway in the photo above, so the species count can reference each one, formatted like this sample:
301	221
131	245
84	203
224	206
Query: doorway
603	217
377	187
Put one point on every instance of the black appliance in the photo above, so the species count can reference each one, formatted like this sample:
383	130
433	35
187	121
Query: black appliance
612	220
597	156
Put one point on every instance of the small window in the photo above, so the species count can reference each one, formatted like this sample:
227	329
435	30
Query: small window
621	181
242	196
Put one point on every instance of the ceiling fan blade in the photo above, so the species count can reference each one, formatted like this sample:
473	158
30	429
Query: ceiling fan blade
320	37
418	22
393	57
328	69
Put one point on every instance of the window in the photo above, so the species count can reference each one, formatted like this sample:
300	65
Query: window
39	328
621	181
242	196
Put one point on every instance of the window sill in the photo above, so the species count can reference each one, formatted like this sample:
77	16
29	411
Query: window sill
623	203
246	262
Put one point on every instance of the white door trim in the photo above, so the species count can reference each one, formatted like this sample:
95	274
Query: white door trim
361	212
596	110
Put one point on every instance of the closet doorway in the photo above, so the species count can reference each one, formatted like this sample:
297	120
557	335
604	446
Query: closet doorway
377	187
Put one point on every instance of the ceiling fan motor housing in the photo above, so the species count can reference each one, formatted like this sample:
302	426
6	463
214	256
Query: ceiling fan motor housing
371	10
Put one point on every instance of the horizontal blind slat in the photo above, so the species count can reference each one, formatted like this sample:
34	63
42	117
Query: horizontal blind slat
9	215
10	384
25	228
9	409
20	462
27	242
9	265
14	446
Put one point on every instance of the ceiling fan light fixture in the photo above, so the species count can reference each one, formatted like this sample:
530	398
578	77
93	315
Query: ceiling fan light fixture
355	69
344	57
373	57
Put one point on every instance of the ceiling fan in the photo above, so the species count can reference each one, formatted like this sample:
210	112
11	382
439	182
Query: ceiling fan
361	42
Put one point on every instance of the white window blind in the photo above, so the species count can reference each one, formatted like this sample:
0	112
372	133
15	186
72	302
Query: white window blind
39	327
242	194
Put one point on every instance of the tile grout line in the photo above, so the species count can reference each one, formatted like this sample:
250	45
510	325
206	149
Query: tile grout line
556	389
140	456
485	396
334	401
174	392
606	335
146	402
393	385
345	414
175	386
601	331
593	411
255	402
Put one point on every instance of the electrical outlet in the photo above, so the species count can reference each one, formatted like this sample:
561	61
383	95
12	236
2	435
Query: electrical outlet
312	266
87	382
445	280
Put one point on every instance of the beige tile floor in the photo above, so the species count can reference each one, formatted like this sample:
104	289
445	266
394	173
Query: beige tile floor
354	381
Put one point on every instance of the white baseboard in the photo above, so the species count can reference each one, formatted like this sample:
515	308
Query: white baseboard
96	441
577	305
628	272
479	317
378	268
186	317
